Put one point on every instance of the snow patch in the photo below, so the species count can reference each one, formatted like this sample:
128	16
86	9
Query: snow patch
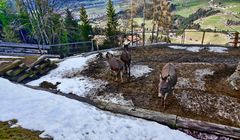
199	77
198	49
116	98
191	49
65	74
68	119
140	70
218	49
13	57
194	49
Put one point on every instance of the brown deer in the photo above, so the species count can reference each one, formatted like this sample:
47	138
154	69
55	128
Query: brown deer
115	65
168	80
126	58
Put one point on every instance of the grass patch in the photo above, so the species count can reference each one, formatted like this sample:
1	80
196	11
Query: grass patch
196	38
218	22
18	133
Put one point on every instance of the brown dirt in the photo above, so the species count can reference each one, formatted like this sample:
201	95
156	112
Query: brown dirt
217	102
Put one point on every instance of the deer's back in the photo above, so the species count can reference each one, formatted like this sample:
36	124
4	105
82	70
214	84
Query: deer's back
115	64
126	57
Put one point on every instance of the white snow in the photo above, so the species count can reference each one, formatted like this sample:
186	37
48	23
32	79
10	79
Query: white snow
66	119
140	70
194	49
5	56
177	47
116	98
199	77
65	73
191	49
218	49
198	49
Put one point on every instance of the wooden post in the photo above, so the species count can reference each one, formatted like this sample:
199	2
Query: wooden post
92	49
203	37
132	20
236	39
183	37
144	14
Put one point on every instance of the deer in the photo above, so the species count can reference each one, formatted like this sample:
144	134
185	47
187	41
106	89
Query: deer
168	80
234	78
115	65
126	59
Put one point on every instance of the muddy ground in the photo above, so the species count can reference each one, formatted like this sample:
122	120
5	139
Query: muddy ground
201	92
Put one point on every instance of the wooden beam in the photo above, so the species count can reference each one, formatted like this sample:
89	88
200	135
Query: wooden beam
208	127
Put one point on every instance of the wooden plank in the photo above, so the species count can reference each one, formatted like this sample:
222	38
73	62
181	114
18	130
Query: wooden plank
23	77
208	127
22	45
11	66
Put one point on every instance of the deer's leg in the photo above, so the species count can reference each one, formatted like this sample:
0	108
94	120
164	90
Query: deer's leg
234	85
129	72
125	68
121	75
165	97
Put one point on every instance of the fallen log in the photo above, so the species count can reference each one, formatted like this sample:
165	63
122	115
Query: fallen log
163	118
208	127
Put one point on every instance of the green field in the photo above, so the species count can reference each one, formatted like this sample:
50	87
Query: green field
187	7
194	37
218	22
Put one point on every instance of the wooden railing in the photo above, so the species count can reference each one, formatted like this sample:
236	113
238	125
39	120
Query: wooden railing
236	39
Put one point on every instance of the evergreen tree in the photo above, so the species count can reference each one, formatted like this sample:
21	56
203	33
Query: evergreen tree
112	21
72	27
23	23
9	35
85	26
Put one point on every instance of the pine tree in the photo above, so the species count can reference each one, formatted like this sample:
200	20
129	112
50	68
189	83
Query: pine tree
72	27
85	26
23	22
9	35
112	21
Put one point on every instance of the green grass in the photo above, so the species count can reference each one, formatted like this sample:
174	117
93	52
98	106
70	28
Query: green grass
218	22
18	133
196	38
187	7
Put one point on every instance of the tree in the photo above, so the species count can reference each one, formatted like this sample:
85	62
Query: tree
3	14
162	18
23	24
112	20
85	26
72	27
9	35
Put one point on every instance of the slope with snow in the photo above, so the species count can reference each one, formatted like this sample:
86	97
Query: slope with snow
67	119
